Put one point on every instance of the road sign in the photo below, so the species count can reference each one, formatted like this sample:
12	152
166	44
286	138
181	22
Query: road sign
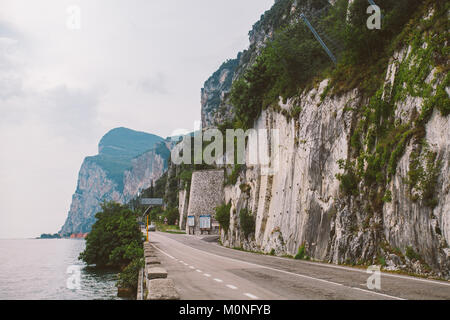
152	201
191	221
205	222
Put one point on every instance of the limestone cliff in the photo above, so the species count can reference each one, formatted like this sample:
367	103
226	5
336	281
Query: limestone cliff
214	93
128	161
215	105
336	192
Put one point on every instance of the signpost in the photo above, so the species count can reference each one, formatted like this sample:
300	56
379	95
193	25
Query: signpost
151	202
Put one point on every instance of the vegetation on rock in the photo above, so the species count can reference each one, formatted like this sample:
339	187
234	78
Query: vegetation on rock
223	216
247	222
115	242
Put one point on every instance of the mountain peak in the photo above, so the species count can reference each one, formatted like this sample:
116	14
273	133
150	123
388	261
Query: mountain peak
126	142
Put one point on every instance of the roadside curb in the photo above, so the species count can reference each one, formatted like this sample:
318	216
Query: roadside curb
157	284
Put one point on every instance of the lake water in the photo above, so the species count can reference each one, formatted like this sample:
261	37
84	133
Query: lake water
38	269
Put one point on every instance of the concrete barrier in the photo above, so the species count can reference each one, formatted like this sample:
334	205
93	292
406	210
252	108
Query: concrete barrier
157	284
151	260
162	289
148	254
156	273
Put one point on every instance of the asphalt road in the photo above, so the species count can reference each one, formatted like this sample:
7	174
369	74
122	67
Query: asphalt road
207	271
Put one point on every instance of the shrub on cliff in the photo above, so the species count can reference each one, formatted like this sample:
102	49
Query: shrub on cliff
247	222
115	239
301	253
223	216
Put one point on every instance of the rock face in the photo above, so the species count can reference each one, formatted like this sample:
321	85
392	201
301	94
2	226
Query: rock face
214	92
216	108
302	204
128	161
297	203
183	205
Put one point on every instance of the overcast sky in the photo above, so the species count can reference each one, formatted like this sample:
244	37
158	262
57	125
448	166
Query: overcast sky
137	63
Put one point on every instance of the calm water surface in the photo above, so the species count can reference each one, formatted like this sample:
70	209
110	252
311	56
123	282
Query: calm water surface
37	269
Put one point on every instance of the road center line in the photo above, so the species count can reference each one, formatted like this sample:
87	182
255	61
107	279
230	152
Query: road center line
231	286
328	265
251	296
218	280
283	271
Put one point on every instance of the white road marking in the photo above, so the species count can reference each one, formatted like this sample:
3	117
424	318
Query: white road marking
321	264
218	280
191	267
286	272
231	286
185	263
171	257
251	296
207	275
198	270
381	294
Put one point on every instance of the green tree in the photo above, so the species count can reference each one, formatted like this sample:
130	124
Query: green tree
115	239
223	216
172	215
129	277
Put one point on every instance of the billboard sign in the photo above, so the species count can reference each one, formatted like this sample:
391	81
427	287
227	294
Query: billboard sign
191	221
152	201
205	222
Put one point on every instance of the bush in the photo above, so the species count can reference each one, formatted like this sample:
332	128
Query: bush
115	239
247	222
223	216
411	254
153	215
424	178
172	215
129	277
186	177
301	253
233	177
286	64
349	180
364	44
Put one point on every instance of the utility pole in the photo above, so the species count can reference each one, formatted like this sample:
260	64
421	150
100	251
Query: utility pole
151	202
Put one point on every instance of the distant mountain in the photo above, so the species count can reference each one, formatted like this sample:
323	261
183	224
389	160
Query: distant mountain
127	162
118	147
